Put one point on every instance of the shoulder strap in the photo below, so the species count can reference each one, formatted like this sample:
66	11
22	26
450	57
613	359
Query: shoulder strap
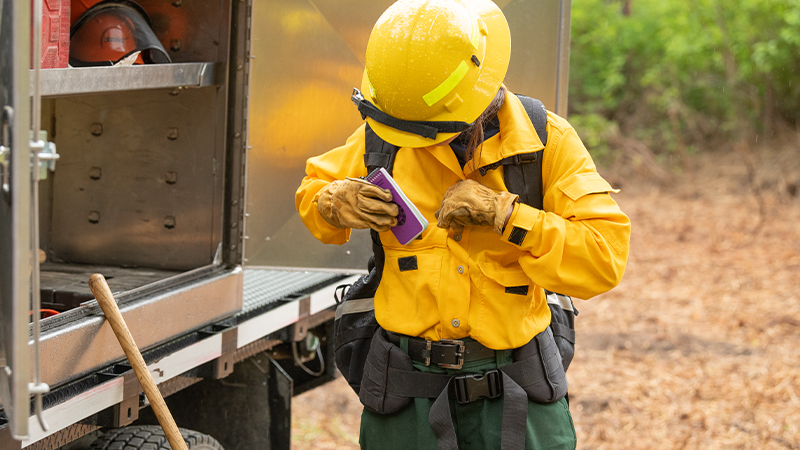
538	115
377	152
523	173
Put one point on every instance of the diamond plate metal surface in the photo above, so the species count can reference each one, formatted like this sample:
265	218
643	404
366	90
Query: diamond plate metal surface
63	437
263	286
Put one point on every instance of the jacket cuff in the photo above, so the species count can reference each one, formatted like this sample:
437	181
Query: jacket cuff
523	219
324	231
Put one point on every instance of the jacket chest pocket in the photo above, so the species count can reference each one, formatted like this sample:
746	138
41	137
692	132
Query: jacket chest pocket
410	284
505	291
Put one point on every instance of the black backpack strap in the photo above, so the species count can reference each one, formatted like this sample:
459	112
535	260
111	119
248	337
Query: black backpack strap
538	115
523	173
377	152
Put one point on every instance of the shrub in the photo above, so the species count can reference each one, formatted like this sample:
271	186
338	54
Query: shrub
677	74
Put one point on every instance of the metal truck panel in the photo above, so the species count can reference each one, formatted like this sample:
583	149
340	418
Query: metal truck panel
539	39
137	179
93	80
15	209
85	345
308	56
110	393
287	314
191	31
75	409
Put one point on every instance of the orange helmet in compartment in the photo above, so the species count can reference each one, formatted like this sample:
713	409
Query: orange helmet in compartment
78	7
111	30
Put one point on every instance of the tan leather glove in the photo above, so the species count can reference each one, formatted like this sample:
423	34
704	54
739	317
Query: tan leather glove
469	203
355	203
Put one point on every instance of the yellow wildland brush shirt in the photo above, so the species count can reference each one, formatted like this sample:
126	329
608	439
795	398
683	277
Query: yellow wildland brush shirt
577	246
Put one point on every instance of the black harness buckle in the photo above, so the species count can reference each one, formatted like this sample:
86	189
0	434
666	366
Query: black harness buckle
469	388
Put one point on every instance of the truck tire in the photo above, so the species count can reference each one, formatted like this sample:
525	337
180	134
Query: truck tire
151	437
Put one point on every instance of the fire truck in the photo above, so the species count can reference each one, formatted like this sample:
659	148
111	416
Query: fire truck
176	180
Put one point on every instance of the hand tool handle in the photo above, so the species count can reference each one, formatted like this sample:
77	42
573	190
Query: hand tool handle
99	287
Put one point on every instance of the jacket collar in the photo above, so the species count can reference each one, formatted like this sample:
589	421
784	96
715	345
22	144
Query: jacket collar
517	136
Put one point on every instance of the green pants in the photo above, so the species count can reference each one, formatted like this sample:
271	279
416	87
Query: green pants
477	424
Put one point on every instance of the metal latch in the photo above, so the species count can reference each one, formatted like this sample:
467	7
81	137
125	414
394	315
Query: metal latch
5	147
46	154
4	168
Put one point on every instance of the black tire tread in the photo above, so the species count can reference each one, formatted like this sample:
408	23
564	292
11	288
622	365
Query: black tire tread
151	437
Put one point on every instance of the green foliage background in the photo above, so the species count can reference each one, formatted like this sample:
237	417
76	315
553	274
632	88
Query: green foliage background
682	76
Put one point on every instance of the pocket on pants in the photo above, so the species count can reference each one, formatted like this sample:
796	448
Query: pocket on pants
550	426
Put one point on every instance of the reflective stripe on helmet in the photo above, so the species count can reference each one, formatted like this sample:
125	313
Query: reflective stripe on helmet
447	86
475	34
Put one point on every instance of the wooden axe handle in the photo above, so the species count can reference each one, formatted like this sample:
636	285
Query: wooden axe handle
99	287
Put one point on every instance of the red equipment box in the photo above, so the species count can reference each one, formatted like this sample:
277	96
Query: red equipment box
55	33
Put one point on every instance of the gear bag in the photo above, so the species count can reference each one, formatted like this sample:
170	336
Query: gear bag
390	381
355	324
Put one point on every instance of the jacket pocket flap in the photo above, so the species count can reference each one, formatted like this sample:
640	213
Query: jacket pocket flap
504	276
580	184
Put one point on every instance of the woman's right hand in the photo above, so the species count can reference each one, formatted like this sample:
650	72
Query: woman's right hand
356	203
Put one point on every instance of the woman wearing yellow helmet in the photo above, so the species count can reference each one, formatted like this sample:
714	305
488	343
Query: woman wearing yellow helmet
464	356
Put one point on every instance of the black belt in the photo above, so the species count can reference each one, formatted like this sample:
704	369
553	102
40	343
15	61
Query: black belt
446	353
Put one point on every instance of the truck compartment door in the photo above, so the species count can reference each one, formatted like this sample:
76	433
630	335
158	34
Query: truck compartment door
15	204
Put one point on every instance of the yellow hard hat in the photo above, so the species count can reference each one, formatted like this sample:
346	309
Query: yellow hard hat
432	67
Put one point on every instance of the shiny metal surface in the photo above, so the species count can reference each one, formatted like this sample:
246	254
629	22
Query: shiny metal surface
536	48
191	31
138	180
167	370
64	415
89	80
15	207
63	437
308	55
263	286
232	206
87	344
273	285
564	42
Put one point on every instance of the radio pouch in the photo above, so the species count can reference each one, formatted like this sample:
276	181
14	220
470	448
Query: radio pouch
354	325
537	369
384	357
562	322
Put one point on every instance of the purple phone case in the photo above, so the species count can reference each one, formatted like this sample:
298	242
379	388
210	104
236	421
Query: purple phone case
408	225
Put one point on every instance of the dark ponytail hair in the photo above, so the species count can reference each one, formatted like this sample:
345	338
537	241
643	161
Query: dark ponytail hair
474	134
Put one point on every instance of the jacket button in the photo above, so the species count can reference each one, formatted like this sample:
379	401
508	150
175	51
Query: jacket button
460	269
457	237
456	323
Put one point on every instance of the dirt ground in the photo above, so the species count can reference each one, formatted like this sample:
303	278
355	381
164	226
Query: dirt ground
699	346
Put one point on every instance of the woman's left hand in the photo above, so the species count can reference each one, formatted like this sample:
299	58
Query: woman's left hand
469	203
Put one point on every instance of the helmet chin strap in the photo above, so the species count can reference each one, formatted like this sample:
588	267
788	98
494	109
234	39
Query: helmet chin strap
426	129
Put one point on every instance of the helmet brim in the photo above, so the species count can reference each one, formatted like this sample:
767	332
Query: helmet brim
85	50
493	70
